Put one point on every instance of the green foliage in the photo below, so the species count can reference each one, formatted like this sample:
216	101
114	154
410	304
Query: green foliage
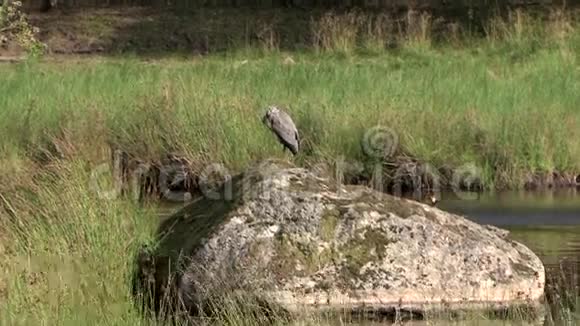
14	25
68	255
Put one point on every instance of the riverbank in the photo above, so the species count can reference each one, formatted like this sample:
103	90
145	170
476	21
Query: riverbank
483	104
478	114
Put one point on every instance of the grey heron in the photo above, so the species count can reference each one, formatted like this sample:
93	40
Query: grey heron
280	123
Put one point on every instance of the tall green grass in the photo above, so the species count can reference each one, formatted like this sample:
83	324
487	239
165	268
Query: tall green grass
67	255
509	111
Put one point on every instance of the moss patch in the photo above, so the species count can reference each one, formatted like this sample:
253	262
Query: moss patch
298	259
328	224
368	245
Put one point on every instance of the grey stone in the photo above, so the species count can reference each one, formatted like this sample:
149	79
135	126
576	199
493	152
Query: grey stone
298	241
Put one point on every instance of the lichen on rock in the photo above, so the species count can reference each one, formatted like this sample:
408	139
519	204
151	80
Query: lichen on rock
299	241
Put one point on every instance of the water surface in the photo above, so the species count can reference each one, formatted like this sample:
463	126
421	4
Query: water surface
547	222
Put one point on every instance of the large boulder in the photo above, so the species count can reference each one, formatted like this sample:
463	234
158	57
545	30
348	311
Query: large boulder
297	240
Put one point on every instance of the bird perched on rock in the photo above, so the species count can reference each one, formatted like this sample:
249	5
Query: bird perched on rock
283	127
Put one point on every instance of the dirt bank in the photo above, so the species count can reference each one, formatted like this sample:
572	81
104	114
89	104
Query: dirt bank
151	31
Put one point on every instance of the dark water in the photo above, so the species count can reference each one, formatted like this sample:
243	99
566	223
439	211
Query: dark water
547	222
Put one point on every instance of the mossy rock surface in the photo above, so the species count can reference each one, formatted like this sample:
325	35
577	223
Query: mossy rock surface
298	240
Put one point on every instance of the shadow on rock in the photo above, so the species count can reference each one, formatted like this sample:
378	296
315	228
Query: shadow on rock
160	269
